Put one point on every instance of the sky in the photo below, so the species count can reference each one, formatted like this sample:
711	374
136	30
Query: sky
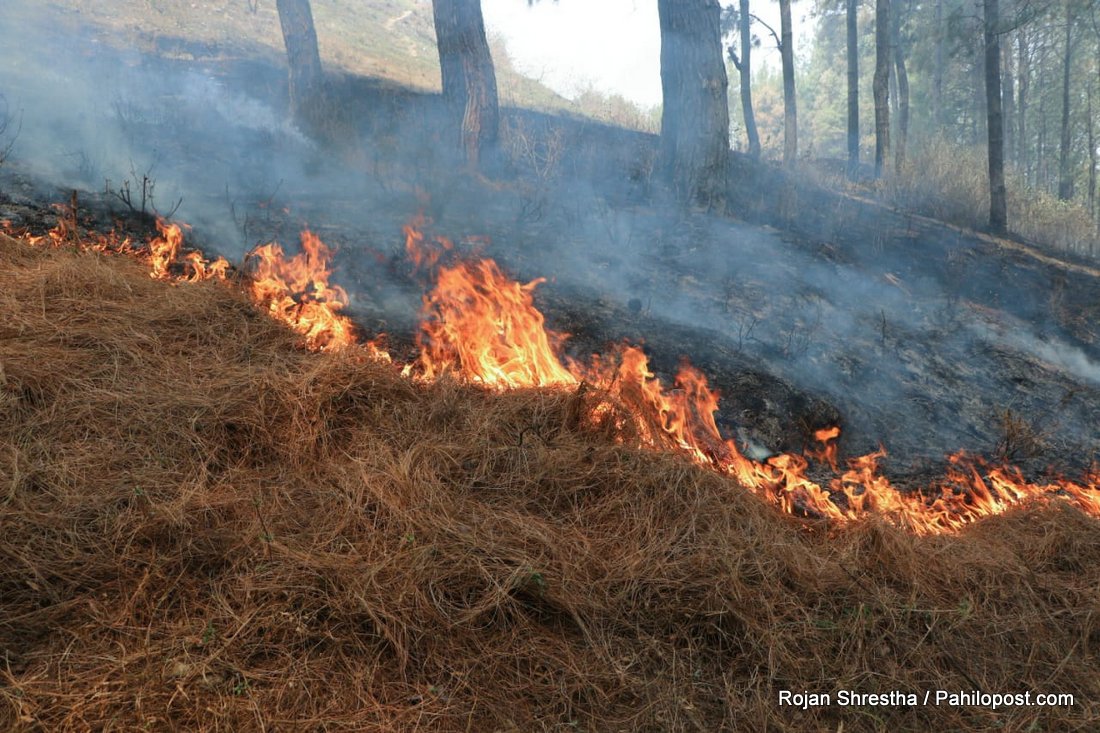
613	46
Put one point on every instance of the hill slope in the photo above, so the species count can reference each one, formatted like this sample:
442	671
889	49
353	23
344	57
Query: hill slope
204	527
392	39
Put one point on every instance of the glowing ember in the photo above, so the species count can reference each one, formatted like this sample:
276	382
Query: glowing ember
296	290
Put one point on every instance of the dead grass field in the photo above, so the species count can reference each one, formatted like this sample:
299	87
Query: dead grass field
205	527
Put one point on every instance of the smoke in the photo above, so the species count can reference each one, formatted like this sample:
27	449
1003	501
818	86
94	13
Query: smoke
888	327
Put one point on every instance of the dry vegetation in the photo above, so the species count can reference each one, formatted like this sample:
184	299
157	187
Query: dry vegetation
951	184
204	527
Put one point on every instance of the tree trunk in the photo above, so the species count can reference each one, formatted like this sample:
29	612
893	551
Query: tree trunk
303	56
469	81
903	94
979	126
790	105
1024	76
1008	99
881	84
853	87
745	68
998	213
1065	173
694	144
1091	132
937	67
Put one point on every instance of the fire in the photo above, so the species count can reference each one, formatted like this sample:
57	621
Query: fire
297	291
484	327
164	254
164	250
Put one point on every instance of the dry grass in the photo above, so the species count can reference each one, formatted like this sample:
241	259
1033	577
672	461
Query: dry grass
950	183
203	527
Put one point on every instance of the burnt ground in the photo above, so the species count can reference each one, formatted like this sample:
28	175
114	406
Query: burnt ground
803	306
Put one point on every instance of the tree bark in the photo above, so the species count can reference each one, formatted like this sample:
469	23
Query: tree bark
694	146
903	93
1024	76
937	66
469	80
1008	98
1091	133
790	105
1065	173
998	213
745	69
303	56
853	87
881	84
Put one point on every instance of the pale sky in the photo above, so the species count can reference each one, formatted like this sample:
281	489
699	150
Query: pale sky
611	45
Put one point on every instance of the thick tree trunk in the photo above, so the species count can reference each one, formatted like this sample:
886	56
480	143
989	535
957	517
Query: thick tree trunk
745	69
903	93
881	84
303	56
998	213
790	105
1065	173
694	145
469	80
852	11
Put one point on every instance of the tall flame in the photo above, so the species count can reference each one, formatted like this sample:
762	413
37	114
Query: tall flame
484	325
296	290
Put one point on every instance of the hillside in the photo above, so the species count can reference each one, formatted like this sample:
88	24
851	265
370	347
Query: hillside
393	40
205	527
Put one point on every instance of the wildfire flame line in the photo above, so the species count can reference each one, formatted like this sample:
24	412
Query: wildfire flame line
484	327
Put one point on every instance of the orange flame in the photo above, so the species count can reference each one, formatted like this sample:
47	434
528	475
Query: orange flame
486	326
164	254
296	290
482	326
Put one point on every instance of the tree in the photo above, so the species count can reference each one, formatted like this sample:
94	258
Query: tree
694	146
790	105
303	56
1065	174
998	210
744	67
903	91
469	80
852	10
881	85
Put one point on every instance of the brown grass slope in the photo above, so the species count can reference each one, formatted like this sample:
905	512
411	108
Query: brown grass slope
203	527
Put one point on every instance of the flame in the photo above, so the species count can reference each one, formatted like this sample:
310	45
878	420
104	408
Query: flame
164	255
296	290
484	327
827	452
164	250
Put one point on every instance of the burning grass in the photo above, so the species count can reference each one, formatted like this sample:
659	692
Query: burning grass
205	527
